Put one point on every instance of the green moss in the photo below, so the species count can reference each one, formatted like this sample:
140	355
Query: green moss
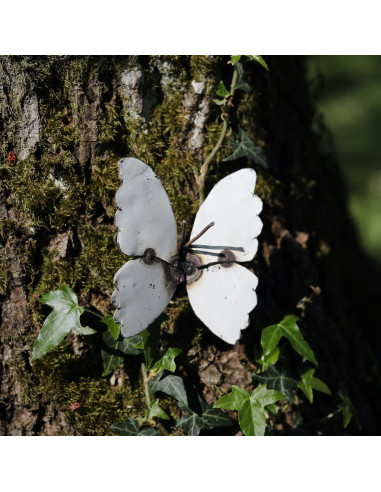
59	134
201	66
4	276
100	258
64	378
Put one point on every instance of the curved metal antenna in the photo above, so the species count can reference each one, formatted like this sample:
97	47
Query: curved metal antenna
198	235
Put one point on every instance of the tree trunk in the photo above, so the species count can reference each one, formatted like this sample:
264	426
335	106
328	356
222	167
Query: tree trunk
68	121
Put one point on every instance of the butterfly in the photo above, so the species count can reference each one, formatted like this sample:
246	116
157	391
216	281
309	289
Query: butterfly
220	290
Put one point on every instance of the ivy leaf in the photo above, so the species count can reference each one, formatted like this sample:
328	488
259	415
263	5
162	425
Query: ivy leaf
85	330
168	360
156	411
113	326
266	359
222	90
170	385
278	380
130	428
191	422
147	431
348	410
235	59
258	59
206	417
233	400
251	408
213	417
288	328
115	351
245	147
127	428
270	338
150	339
243	85
64	318
309	382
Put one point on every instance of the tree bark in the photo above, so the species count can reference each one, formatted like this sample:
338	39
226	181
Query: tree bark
69	120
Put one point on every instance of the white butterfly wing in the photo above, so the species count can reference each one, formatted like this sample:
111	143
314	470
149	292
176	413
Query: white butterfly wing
234	209
223	297
144	217
145	221
142	293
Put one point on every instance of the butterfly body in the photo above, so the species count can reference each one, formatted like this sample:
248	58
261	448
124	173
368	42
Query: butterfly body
221	291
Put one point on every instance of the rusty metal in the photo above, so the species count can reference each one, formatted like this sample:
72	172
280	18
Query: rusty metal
196	274
226	258
149	256
198	235
185	271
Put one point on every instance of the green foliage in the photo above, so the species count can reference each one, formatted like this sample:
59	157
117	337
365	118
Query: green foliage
271	358
150	340
251	408
278	380
130	428
64	318
258	59
309	382
236	58
149	343
289	329
347	410
170	385
222	90
112	326
200	415
156	411
209	418
167	362
114	352
197	414
243	146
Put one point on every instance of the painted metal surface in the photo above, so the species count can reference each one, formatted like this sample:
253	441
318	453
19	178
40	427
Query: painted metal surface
221	295
142	292
145	217
234	209
223	298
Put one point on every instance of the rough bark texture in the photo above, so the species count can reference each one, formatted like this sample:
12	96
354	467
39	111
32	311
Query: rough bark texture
69	120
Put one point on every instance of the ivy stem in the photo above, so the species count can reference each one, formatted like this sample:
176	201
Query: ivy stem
93	313
145	382
200	179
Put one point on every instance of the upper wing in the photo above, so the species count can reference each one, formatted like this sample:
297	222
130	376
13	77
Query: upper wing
223	297
142	292
144	217
234	209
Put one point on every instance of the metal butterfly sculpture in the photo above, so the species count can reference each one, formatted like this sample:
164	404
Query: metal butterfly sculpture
220	290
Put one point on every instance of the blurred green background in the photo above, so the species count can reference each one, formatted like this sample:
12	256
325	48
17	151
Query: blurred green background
350	102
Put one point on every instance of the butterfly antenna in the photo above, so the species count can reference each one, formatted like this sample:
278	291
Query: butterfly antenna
198	235
183	234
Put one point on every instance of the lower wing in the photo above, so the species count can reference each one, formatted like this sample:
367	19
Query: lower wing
223	297
142	292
